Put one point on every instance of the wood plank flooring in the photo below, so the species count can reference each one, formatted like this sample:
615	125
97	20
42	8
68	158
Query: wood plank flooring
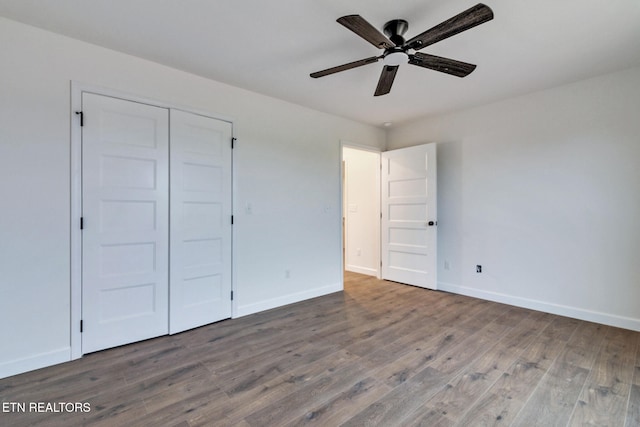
377	354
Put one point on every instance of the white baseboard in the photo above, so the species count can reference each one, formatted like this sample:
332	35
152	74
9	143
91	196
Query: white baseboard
362	270
547	307
37	361
244	310
561	310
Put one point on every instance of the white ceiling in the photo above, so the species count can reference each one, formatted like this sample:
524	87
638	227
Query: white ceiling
270	47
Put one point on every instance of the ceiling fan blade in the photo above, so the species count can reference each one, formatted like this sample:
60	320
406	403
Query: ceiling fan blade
471	17
361	27
345	67
444	65
386	80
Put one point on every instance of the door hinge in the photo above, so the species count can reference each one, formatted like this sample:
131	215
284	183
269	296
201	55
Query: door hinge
81	223
81	114
231	295
81	327
380	263
233	143
231	219
380	215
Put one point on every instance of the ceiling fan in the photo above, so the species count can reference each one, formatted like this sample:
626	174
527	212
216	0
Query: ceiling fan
398	51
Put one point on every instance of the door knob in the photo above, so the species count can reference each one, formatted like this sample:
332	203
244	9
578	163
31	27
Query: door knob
432	223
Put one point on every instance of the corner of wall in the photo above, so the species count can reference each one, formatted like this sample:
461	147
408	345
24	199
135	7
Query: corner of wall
247	309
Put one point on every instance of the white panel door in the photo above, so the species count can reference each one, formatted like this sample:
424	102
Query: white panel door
200	266
125	211
409	234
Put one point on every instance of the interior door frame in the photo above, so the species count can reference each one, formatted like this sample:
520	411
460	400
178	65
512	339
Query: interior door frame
378	151
77	89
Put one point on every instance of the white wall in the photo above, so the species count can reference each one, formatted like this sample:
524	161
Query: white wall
287	165
362	210
544	192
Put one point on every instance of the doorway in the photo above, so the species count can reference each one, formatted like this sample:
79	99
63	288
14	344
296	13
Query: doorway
390	213
361	210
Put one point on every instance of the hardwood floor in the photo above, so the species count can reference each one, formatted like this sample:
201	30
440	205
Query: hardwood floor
377	354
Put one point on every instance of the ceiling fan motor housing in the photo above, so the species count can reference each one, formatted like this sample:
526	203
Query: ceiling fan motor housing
395	29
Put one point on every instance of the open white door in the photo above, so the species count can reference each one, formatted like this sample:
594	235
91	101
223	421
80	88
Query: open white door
125	149
200	221
409	222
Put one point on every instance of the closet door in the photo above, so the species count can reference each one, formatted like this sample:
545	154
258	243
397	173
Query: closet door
200	212
125	148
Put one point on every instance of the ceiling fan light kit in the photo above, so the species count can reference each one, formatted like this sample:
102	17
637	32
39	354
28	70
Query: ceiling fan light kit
397	51
395	58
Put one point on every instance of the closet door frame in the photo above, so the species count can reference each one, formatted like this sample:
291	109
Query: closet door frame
77	89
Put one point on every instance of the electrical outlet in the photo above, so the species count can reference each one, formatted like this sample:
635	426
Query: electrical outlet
478	268
447	265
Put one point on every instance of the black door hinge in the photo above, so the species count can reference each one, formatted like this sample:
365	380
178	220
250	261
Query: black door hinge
81	328
231	295
81	114
231	219
81	223
233	143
